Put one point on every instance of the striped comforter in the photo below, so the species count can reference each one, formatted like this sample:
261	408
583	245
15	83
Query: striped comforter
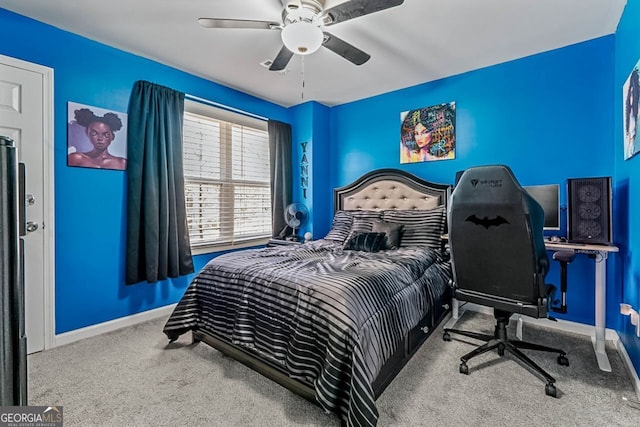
328	316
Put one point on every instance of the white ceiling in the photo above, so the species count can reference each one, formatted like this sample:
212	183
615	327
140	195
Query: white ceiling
417	42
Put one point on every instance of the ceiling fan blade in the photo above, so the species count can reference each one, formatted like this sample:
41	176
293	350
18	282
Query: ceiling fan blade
281	61
238	23
344	49
355	8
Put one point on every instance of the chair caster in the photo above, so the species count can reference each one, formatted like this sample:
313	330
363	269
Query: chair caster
550	390
500	350
562	360
446	336
464	369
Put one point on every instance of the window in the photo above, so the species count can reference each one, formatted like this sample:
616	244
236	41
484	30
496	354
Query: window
227	177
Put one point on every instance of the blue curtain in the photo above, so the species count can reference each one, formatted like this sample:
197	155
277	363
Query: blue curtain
157	235
281	173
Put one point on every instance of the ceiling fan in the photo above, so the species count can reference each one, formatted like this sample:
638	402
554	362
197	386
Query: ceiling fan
302	27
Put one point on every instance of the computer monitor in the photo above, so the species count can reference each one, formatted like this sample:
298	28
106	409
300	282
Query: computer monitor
458	176
549	198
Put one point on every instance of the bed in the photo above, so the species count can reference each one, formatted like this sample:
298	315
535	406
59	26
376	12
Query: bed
336	319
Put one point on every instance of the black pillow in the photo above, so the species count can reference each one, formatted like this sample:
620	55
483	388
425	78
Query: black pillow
393	233
367	242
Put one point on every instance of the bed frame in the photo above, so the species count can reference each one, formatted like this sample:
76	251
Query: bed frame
378	190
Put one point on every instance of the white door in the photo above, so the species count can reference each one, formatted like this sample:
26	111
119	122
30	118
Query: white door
25	115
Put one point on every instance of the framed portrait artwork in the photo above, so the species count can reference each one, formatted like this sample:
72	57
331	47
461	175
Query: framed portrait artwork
428	134
96	138
630	96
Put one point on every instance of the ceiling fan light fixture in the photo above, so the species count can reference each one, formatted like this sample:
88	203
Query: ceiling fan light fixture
302	37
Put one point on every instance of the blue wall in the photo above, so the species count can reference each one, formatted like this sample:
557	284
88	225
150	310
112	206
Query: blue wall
550	117
547	116
311	126
627	48
90	204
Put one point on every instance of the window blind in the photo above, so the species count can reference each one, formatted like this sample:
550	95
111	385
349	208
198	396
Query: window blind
227	176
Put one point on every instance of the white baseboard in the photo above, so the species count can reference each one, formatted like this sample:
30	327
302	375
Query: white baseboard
632	372
567	326
112	325
563	325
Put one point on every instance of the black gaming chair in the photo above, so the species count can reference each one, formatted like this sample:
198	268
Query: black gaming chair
499	259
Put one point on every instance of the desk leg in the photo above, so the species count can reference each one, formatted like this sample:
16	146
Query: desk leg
601	313
519	327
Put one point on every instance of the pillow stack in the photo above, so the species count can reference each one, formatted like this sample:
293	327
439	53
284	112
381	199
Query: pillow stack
399	228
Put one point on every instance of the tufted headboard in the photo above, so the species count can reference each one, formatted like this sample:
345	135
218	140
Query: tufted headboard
386	189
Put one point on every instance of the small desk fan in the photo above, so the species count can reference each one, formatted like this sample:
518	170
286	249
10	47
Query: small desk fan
296	216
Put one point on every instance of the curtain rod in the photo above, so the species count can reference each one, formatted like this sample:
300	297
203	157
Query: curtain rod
224	107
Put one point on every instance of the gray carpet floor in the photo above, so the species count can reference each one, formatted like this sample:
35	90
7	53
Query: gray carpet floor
134	377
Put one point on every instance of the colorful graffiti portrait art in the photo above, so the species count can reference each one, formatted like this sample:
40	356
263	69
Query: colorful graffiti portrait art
428	134
630	98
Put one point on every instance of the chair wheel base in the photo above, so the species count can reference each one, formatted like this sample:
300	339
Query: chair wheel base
563	360
464	369
551	390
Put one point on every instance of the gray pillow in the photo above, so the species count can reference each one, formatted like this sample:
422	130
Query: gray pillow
393	233
366	218
357	221
421	227
361	225
340	227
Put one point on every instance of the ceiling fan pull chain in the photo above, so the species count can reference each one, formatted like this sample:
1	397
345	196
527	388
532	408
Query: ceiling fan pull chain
302	94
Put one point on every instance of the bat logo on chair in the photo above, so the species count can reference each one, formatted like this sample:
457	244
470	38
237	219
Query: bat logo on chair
486	222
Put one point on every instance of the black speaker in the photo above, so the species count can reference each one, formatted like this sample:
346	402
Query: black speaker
590	204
